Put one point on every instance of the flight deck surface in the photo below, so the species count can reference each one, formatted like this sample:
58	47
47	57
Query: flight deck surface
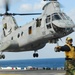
32	72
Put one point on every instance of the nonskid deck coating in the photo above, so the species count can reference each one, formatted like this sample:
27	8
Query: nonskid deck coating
31	72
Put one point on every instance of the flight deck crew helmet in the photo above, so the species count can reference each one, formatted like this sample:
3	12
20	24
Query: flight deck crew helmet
69	39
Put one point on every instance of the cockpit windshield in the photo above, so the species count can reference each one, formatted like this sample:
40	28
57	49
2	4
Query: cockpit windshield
59	16
65	16
56	16
62	16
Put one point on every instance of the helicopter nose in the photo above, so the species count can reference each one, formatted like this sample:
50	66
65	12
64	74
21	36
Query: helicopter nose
64	24
69	24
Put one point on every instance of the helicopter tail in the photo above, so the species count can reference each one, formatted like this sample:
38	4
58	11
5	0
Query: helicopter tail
9	25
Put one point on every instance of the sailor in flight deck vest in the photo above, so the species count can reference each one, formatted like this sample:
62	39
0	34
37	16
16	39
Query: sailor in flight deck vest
69	50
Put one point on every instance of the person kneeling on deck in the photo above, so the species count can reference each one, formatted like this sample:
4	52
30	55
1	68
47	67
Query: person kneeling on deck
69	50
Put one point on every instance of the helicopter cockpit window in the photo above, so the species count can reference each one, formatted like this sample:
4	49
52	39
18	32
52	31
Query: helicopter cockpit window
48	19
48	26
66	16
62	16
56	17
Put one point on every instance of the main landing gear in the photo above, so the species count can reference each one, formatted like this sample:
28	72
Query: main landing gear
2	56
35	54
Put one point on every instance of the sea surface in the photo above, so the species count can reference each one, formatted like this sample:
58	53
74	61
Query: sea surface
50	63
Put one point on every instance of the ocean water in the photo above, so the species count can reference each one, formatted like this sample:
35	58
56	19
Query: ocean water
50	63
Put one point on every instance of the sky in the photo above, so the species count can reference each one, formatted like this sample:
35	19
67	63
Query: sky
27	6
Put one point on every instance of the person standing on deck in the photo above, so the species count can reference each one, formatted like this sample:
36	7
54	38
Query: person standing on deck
69	50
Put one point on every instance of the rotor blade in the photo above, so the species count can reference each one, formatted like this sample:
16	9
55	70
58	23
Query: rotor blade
50	0
6	6
2	14
20	14
25	14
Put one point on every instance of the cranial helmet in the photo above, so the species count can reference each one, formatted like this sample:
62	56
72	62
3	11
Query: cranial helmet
69	39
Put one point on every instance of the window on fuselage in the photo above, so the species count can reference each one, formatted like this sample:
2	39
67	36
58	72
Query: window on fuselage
30	30
56	16
11	38
5	26
38	22
21	33
18	35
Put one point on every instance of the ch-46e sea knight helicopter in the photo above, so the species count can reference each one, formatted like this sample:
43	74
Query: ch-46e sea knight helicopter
52	25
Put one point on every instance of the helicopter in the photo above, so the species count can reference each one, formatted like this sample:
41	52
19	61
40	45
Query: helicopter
50	26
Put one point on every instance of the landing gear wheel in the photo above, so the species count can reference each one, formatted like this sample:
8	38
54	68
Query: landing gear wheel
35	55
2	56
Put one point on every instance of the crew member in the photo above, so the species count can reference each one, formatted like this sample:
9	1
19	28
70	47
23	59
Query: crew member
69	50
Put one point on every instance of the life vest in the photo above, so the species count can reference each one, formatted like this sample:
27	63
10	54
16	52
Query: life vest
71	53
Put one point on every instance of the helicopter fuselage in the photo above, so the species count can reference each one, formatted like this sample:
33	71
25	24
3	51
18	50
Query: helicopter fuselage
34	35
